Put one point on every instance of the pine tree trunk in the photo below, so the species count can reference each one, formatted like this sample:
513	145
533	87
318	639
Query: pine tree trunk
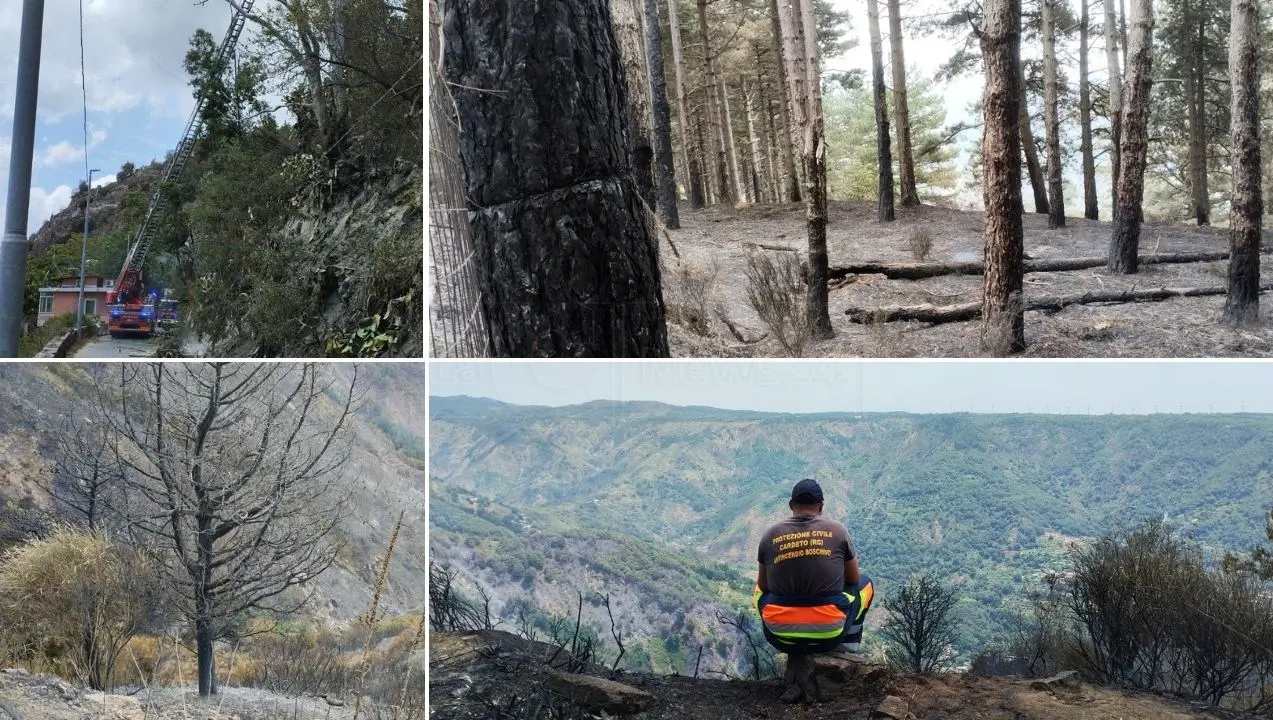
1003	321
786	145
883	151
702	160
1091	208
1195	87
1029	147
1125	242
689	152
664	166
1242	304
1051	118
715	112
567	264
800	50
740	184
759	156
1115	102
776	183
817	312
629	33
901	109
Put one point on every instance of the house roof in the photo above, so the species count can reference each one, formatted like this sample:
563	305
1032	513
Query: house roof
88	289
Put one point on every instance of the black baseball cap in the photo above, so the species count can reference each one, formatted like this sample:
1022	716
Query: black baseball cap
807	491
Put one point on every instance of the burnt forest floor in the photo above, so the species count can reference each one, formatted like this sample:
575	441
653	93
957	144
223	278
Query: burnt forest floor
716	242
491	675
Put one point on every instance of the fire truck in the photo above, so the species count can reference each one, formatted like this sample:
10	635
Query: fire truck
130	309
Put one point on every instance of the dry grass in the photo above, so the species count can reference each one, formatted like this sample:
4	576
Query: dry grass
689	296
920	243
776	291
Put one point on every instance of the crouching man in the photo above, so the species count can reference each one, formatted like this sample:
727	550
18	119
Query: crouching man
811	596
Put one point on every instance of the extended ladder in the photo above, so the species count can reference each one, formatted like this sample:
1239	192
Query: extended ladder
136	257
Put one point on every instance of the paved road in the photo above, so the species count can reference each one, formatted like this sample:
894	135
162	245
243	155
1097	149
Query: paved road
107	347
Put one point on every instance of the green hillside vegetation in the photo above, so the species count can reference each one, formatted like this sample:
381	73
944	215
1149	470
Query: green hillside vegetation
987	502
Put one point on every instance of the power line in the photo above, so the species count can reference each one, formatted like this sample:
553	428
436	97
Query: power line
83	88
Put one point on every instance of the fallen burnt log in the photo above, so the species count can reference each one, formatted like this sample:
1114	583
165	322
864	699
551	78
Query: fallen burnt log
972	310
919	271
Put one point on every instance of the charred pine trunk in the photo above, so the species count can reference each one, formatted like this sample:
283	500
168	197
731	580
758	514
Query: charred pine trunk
883	152
629	34
664	167
1125	242
567	265
689	151
1242	304
1091	207
715	112
1030	149
1003	322
901	109
1196	100
735	171
1115	101
800	50
786	146
1051	118
759	155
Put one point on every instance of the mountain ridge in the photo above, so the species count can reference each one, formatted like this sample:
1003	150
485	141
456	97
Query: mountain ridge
988	502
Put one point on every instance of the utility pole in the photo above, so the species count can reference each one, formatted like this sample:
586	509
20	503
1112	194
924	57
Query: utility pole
13	245
79	308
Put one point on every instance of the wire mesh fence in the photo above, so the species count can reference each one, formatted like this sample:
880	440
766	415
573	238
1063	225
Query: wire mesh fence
457	327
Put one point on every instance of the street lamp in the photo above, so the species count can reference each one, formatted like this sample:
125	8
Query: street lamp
79	307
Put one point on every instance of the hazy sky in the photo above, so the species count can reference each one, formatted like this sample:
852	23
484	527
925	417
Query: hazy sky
942	386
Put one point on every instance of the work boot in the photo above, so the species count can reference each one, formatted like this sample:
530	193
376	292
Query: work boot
807	681
793	693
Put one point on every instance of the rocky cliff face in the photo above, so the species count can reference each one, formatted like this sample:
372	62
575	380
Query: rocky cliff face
105	214
355	248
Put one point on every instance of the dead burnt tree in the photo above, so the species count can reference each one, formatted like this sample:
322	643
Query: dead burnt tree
235	484
1242	305
1001	151
1129	212
87	476
568	265
921	628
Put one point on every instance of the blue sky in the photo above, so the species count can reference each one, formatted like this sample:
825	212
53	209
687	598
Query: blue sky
138	96
851	386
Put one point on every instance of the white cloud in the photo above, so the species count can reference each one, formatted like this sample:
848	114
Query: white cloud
133	52
60	154
104	180
64	152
